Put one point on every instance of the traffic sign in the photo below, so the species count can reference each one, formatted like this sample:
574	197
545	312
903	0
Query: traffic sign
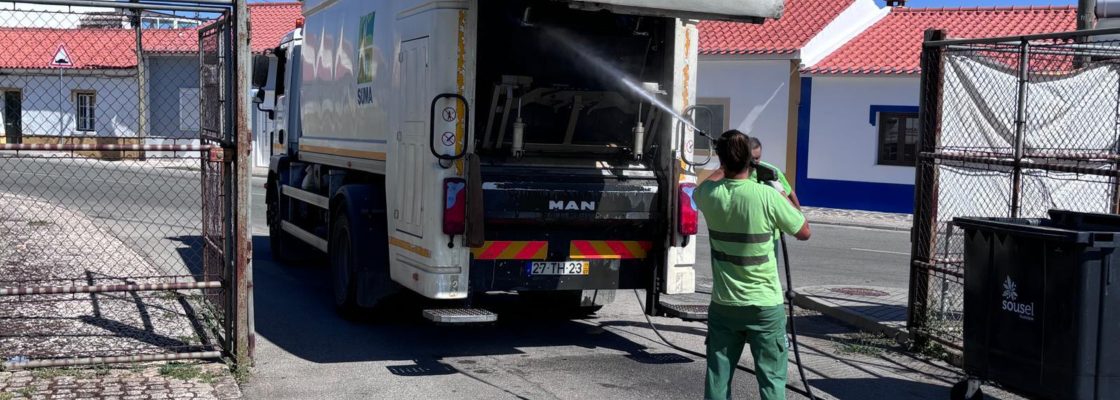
61	58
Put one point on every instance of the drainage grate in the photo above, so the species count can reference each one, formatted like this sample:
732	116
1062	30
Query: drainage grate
687	312
861	292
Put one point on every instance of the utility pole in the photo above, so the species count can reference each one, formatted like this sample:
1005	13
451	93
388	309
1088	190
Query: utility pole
1086	14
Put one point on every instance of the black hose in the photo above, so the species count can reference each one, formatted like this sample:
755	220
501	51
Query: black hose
790	294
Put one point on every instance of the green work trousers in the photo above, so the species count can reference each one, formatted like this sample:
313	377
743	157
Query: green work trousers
732	327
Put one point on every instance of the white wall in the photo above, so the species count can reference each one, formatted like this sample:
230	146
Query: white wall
842	142
759	93
49	108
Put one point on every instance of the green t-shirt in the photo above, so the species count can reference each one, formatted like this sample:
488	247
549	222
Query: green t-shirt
742	216
778	172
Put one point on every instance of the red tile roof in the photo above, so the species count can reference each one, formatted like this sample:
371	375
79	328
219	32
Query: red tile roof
88	48
894	44
91	48
270	22
801	20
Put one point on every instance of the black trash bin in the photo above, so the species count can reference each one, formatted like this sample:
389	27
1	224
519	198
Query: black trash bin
1042	304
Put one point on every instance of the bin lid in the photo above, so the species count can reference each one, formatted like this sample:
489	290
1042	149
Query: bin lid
1097	230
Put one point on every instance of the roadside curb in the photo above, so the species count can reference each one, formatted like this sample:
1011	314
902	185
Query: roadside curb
859	321
859	225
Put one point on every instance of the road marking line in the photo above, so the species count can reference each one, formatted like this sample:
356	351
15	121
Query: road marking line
880	251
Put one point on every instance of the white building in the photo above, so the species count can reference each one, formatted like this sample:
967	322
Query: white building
749	74
858	114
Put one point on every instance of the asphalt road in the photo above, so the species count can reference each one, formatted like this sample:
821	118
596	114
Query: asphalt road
305	350
836	255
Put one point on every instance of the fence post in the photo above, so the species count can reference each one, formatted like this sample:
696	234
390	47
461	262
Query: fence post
141	81
243	334
925	184
1020	125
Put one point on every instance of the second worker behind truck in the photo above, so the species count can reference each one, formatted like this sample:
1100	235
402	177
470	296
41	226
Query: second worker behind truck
747	300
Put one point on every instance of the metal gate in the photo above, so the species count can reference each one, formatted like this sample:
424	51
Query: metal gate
123	209
1011	127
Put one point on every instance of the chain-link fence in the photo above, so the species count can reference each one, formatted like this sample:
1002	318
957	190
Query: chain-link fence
116	208
1011	128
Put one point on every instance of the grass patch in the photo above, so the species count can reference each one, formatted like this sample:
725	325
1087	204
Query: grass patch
239	370
6	396
26	392
51	373
863	343
186	372
100	370
39	223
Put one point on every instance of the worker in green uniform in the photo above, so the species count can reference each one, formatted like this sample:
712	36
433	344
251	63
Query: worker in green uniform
742	215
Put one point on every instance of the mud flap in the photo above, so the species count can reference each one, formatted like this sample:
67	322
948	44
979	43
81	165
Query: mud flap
476	234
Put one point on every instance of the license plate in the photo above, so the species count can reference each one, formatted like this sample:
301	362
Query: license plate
559	268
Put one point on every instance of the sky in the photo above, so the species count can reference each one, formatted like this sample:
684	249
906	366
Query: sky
984	3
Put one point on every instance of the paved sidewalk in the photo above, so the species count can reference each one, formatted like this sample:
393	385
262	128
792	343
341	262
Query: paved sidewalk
872	309
870	361
867	219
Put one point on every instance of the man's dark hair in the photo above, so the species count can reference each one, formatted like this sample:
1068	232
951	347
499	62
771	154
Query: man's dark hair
734	151
755	143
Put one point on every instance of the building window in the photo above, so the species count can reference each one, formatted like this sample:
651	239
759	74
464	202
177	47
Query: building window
717	122
86	108
188	109
898	139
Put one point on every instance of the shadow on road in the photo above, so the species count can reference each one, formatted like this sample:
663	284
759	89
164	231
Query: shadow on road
294	311
883	388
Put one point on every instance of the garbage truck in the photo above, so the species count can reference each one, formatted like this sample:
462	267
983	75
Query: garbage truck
455	148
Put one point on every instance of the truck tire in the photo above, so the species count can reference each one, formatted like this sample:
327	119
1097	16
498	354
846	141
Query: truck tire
564	302
343	262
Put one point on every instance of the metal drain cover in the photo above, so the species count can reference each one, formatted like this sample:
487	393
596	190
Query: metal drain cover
861	292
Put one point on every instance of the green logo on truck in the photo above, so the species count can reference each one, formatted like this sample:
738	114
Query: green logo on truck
367	65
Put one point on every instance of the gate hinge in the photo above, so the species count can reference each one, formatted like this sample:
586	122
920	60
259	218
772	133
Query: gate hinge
223	154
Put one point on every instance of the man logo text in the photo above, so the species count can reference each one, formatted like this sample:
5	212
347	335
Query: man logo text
571	205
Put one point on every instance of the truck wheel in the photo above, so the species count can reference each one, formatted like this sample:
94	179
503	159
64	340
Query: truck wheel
342	266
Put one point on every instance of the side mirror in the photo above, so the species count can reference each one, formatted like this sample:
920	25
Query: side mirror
261	67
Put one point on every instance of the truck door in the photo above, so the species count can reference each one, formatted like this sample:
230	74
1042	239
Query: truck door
411	140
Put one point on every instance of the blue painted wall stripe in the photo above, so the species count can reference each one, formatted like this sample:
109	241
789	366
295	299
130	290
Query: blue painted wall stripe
870	196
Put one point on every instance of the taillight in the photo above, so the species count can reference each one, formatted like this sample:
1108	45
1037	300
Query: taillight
686	210
455	206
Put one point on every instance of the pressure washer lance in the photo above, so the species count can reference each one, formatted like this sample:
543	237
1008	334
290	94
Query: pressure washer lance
790	295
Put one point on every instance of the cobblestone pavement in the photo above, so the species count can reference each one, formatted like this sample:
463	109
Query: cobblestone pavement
869	219
187	380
